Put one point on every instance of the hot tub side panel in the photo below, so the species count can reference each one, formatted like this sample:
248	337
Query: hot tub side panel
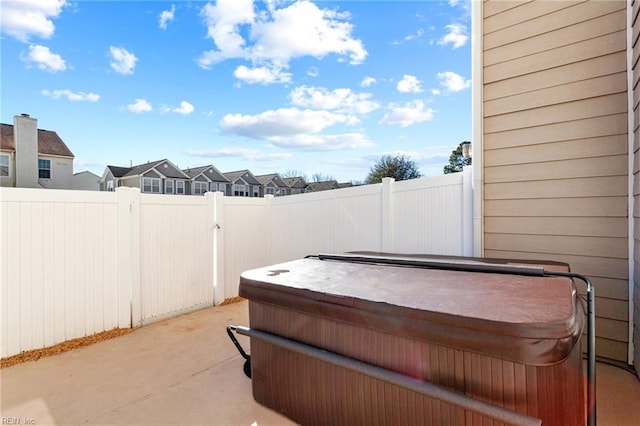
310	391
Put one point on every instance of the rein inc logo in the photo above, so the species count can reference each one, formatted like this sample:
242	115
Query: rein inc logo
17	421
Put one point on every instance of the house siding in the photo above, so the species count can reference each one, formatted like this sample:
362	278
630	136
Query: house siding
635	46
554	149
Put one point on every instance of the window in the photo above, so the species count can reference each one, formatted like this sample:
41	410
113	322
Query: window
151	185
240	191
110	185
180	187
4	165
199	188
256	191
44	169
269	190
168	187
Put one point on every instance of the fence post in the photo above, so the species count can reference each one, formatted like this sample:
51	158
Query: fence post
387	215
467	211
129	312
218	246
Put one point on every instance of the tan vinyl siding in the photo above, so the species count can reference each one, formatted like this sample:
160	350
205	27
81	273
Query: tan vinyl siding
636	179
555	145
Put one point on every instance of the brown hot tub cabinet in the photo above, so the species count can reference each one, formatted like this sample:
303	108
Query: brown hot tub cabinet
425	340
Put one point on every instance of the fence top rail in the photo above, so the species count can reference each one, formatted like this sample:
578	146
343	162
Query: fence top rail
55	195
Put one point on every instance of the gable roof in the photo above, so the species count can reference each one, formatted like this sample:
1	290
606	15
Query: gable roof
246	175
272	177
295	182
170	171
323	186
118	172
215	174
49	142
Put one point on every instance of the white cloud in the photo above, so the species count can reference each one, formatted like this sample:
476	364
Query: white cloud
453	82
223	21
166	16
71	96
341	100
245	153
261	75
23	19
185	108
140	105
277	35
295	128
418	34
122	61
313	72
324	142
45	59
280	122
406	115
409	84
457	36
368	81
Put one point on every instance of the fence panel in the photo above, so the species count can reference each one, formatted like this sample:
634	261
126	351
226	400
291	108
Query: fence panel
333	221
245	233
74	263
176	255
59	274
427	215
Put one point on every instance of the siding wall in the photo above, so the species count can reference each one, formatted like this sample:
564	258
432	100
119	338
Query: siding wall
635	13
555	145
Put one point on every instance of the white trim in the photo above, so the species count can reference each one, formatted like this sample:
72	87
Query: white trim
173	186
39	168
477	126
8	165
630	212
199	188
152	179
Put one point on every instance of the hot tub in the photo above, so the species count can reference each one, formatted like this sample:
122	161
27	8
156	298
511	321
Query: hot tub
501	339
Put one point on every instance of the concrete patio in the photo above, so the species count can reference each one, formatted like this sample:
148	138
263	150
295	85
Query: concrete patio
186	371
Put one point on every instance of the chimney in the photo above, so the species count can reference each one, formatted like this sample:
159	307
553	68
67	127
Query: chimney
25	138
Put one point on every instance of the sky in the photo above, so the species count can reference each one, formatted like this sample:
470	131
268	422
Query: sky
290	87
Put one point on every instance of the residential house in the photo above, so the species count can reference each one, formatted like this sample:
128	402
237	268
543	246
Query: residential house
297	185
206	178
556	130
244	184
32	157
85	181
322	186
156	177
273	184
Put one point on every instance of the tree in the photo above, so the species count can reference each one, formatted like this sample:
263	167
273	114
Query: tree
319	177
457	160
399	167
290	173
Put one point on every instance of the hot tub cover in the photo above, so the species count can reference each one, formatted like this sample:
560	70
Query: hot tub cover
528	320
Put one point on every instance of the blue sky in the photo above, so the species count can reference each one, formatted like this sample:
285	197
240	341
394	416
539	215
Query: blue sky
318	87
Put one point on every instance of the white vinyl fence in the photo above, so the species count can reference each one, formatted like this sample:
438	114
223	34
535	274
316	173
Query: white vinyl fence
75	263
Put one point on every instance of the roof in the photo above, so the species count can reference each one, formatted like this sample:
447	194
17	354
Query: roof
272	177
118	172
323	186
214	175
171	170
295	182
244	174
49	142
